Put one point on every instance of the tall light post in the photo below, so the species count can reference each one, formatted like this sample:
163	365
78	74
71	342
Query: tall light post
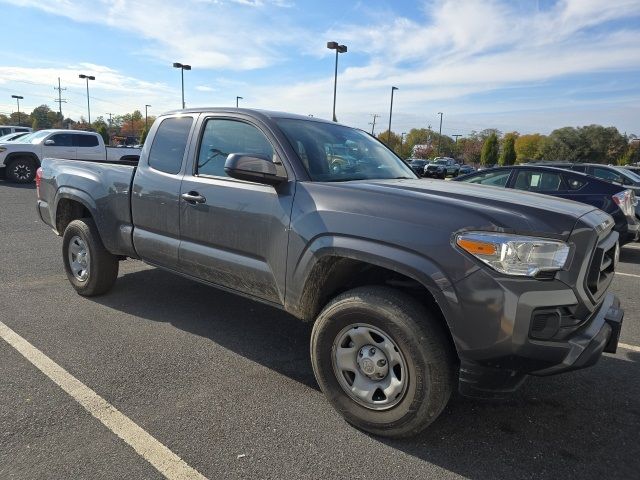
182	69
18	98
339	49
393	89
402	142
440	137
146	117
87	78
238	98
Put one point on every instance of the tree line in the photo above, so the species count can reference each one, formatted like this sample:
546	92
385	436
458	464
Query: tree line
119	129
591	143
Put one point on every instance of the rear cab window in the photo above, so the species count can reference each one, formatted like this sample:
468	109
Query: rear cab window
169	144
80	140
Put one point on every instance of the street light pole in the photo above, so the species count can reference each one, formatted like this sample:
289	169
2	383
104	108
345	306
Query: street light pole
402	142
182	68
18	98
339	49
87	78
146	117
238	98
440	137
393	89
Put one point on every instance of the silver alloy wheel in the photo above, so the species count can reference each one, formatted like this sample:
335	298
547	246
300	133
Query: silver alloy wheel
21	171
79	259
369	366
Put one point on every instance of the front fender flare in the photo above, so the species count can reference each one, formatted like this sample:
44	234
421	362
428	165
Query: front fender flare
406	262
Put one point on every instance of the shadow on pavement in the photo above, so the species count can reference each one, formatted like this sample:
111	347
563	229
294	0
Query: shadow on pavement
256	331
19	186
583	424
631	255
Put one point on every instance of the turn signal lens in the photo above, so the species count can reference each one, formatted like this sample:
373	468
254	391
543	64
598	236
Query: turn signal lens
475	247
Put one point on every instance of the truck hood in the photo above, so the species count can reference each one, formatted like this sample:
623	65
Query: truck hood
455	205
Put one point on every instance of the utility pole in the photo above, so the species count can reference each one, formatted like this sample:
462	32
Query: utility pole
60	100
402	142
374	115
109	127
393	89
440	134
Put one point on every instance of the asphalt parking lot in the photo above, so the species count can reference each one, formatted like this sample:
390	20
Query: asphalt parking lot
226	384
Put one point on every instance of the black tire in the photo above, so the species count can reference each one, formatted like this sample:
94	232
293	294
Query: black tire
103	266
456	173
425	346
21	170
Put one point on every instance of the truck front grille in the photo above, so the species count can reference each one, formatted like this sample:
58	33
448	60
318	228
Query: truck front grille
602	267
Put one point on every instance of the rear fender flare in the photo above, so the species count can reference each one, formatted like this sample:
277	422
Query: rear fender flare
79	196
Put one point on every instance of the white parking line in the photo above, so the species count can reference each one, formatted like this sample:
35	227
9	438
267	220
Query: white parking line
628	274
164	460
633	348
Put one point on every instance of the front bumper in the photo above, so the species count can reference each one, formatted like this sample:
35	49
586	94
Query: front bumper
498	377
434	173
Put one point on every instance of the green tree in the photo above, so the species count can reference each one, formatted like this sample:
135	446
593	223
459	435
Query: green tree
489	154
508	154
143	135
528	147
43	117
390	140
102	130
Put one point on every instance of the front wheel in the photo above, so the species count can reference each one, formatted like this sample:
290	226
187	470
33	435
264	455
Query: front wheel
90	268
21	170
383	361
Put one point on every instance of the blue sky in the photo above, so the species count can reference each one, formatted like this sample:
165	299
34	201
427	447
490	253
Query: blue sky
523	65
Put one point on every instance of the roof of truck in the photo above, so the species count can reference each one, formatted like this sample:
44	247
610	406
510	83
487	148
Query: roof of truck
248	111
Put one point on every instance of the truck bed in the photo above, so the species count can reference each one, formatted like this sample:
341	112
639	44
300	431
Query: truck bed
101	187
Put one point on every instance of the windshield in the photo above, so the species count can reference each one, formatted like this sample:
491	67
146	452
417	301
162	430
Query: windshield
634	177
440	162
33	137
418	162
335	153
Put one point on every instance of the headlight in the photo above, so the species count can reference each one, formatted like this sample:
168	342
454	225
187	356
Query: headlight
515	254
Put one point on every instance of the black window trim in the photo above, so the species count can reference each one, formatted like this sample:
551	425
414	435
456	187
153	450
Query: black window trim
223	116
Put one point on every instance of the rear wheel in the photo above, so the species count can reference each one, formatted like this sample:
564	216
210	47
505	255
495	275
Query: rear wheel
90	268
21	170
383	361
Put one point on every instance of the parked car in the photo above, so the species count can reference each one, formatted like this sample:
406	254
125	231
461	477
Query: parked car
466	169
633	168
7	129
10	137
441	167
417	165
617	201
23	156
415	288
608	173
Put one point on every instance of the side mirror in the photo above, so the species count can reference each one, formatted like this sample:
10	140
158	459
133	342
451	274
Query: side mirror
254	168
49	142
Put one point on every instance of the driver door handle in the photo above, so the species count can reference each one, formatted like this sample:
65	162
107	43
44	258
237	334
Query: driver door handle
193	198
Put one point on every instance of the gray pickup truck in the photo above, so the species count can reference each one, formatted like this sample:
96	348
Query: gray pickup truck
415	287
